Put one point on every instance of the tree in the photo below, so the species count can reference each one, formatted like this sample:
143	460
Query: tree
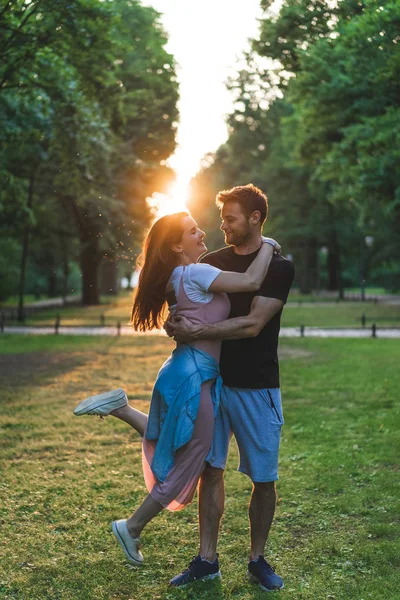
100	89
347	98
316	125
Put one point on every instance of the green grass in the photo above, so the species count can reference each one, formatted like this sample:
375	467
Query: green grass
12	344
325	296
324	314
343	314
116	308
12	301
373	291
65	478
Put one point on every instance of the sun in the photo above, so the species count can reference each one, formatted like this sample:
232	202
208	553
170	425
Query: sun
174	200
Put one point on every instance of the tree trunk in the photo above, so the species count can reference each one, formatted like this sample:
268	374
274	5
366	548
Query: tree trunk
308	273
89	259
109	277
89	251
339	273
333	262
24	256
65	270
51	284
332	269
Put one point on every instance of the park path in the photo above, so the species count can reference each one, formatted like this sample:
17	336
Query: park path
320	332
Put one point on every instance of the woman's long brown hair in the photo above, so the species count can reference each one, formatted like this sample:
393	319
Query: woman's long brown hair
157	260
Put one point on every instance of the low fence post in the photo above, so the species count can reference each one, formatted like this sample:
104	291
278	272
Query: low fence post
302	330
2	323
363	320
102	320
57	324
373	330
118	328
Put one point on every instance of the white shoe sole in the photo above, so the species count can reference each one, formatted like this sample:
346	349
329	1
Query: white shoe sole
254	579
206	578
104	403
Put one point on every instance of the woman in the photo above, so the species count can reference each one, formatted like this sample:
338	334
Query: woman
178	431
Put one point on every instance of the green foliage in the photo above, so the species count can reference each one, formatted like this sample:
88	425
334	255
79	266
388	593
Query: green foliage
9	258
316	124
88	94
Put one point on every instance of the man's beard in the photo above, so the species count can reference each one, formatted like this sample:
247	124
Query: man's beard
238	239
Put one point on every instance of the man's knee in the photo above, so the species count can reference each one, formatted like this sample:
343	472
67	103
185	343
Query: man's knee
212	475
264	488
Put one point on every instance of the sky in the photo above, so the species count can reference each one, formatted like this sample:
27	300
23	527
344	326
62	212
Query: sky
206	37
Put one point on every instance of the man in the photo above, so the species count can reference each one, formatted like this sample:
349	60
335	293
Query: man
250	407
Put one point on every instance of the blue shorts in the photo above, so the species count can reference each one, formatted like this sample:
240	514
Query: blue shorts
255	418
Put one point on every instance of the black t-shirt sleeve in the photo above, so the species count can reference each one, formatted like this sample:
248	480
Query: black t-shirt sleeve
278	281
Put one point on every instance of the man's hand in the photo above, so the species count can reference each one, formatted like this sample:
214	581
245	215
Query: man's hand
168	325
181	329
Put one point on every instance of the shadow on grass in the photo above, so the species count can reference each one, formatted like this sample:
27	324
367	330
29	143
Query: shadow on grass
19	370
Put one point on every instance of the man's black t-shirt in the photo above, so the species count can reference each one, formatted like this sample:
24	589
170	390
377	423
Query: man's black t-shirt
253	362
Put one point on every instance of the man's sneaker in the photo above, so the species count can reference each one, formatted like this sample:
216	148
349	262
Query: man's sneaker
261	572
198	569
102	404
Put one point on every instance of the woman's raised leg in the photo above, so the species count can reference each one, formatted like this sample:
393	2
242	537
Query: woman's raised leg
113	403
133	417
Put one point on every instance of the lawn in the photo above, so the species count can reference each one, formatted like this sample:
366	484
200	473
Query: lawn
343	314
64	479
312	314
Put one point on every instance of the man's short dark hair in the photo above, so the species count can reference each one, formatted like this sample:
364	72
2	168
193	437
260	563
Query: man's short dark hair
249	197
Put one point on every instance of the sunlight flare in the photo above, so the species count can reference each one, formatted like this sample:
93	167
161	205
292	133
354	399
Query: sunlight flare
174	200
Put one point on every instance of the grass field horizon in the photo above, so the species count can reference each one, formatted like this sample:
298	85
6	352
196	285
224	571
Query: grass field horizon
64	479
310	314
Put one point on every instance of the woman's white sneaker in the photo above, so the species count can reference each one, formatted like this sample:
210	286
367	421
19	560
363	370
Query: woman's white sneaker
129	545
102	404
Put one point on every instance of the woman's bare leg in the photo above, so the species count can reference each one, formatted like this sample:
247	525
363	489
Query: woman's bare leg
145	513
134	417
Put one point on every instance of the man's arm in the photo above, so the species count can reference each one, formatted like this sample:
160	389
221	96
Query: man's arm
262	310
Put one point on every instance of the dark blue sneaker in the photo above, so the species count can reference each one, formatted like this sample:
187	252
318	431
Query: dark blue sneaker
198	569
261	572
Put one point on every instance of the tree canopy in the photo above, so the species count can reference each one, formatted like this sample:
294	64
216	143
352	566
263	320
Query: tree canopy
316	124
88	107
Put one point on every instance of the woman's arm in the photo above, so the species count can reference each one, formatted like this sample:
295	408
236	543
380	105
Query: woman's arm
251	280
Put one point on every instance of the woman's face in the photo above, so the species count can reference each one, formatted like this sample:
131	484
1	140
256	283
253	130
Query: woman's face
191	244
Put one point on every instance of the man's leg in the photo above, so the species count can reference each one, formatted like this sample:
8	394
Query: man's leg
261	514
257	419
211	509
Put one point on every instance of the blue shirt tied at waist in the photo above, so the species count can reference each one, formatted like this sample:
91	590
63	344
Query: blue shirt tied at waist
175	403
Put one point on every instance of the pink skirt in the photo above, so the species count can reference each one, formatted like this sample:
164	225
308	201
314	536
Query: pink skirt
180	486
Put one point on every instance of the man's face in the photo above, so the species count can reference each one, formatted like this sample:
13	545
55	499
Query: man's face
235	225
